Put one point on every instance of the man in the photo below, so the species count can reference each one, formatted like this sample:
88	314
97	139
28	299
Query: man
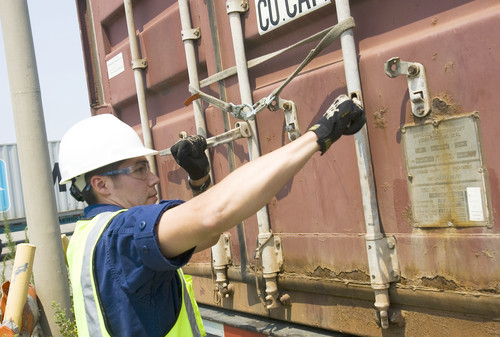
125	259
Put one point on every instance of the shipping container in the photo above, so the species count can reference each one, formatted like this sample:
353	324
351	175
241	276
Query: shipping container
11	190
393	231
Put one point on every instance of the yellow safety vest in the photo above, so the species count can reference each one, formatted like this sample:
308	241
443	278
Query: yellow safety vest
88	313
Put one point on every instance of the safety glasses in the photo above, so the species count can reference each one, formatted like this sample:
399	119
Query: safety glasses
139	170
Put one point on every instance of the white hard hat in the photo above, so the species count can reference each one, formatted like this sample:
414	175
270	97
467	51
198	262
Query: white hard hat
96	142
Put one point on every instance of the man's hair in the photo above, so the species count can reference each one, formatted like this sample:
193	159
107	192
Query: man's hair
89	195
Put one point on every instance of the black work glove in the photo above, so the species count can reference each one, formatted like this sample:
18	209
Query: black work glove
189	153
344	117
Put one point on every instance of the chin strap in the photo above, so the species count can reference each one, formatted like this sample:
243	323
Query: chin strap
78	185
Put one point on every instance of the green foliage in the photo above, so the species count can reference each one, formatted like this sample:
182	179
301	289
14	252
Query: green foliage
67	326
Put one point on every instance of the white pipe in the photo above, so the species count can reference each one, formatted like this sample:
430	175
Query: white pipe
218	250
254	153
246	98
365	168
49	269
139	81
194	81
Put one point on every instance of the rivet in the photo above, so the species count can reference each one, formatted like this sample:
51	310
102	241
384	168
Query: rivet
413	70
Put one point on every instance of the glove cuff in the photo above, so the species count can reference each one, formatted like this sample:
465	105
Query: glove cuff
202	187
323	135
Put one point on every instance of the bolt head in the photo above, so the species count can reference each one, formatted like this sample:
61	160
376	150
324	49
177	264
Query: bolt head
413	70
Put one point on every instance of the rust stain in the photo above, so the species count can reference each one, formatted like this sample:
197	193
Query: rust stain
269	138
274	202
386	187
445	104
355	275
487	252
379	119
408	215
450	66
439	282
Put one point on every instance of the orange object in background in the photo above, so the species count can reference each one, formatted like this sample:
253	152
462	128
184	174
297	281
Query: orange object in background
29	316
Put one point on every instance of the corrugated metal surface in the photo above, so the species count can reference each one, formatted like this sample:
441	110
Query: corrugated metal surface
447	273
15	213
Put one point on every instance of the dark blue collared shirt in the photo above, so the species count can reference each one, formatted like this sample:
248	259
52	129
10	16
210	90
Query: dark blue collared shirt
138	287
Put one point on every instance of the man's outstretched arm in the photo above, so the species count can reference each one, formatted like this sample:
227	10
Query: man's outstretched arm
249	188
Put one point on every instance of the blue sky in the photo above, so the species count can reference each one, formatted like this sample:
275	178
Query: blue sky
61	72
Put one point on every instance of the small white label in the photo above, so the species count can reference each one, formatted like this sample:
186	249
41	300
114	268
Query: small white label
474	201
272	14
115	65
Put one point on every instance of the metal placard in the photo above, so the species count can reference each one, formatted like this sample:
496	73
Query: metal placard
446	174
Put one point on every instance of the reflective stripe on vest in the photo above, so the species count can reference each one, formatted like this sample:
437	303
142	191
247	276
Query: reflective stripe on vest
92	310
93	324
189	310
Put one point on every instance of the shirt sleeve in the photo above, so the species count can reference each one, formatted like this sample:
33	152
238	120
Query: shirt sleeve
132	248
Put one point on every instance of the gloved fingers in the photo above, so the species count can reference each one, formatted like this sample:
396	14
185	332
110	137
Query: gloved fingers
189	153
199	144
336	107
355	125
357	117
181	150
193	146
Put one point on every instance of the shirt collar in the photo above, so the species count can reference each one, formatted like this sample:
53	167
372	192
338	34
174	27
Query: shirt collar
92	210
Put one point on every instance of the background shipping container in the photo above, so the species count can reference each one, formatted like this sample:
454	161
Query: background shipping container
11	189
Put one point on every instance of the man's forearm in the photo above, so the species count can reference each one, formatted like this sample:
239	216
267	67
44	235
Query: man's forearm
250	187
241	194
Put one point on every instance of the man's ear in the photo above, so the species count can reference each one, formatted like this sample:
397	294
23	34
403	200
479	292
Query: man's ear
101	185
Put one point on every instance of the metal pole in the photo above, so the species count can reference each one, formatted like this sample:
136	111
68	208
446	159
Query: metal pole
189	34
194	81
268	257
407	296
137	65
49	268
367	180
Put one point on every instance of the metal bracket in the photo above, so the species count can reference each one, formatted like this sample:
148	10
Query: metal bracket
236	6
383	253
241	130
139	64
291	118
271	253
191	34
417	83
221	256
